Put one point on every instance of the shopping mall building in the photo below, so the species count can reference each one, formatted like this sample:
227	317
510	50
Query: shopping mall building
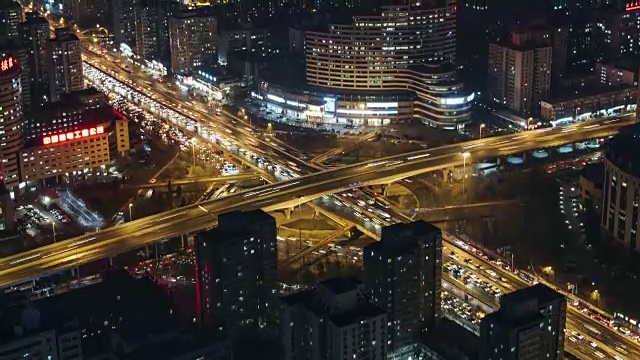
395	65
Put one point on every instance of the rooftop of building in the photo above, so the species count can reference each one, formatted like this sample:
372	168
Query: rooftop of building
35	18
137	309
63	35
91	103
205	11
629	63
400	238
340	285
239	223
507	320
623	150
593	173
9	4
312	302
362	311
451	341
589	89
177	347
541	292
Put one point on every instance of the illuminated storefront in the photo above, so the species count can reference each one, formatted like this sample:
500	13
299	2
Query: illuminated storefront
70	153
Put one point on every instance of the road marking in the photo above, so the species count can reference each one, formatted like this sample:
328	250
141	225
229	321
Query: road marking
203	209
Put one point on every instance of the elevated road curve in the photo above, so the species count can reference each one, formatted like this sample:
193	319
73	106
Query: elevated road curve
109	242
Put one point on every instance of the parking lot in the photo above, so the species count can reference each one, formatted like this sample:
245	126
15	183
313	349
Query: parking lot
32	219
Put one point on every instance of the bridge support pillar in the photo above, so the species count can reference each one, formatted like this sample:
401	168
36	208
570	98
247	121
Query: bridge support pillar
186	239
287	213
110	261
75	272
147	251
383	189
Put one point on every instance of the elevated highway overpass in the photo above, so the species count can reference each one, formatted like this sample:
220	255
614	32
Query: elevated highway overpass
282	195
217	179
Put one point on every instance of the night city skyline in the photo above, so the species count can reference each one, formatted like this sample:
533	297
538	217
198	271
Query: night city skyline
319	179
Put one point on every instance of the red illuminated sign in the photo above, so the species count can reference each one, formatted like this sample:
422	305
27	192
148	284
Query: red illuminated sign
73	135
633	6
7	63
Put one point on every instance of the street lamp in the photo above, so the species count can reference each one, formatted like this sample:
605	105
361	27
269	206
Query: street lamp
465	155
130	213
595	296
481	126
549	271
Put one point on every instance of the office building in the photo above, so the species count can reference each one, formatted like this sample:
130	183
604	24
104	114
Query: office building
529	325
64	60
621	188
519	74
333	321
34	33
123	22
402	275
10	18
236	272
152	29
79	134
10	119
193	39
405	66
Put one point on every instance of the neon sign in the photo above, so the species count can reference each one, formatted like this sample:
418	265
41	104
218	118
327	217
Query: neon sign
7	63
634	6
73	135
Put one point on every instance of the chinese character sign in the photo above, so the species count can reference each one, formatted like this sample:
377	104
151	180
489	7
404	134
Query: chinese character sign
7	63
73	135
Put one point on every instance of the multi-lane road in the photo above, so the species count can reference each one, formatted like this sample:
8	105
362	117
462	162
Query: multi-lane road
109	242
586	336
192	218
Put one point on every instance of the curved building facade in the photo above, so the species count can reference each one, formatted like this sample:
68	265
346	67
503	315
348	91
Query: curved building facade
407	48
10	119
621	188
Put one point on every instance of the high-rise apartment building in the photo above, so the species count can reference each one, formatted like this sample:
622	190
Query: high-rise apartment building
35	32
90	12
10	119
123	21
193	39
236	272
529	325
152	29
403	276
402	49
10	18
64	64
519	74
333	321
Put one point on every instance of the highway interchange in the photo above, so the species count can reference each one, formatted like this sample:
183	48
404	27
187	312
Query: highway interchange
309	182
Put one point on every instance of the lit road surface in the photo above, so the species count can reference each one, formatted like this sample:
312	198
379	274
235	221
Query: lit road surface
108	242
608	341
193	218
